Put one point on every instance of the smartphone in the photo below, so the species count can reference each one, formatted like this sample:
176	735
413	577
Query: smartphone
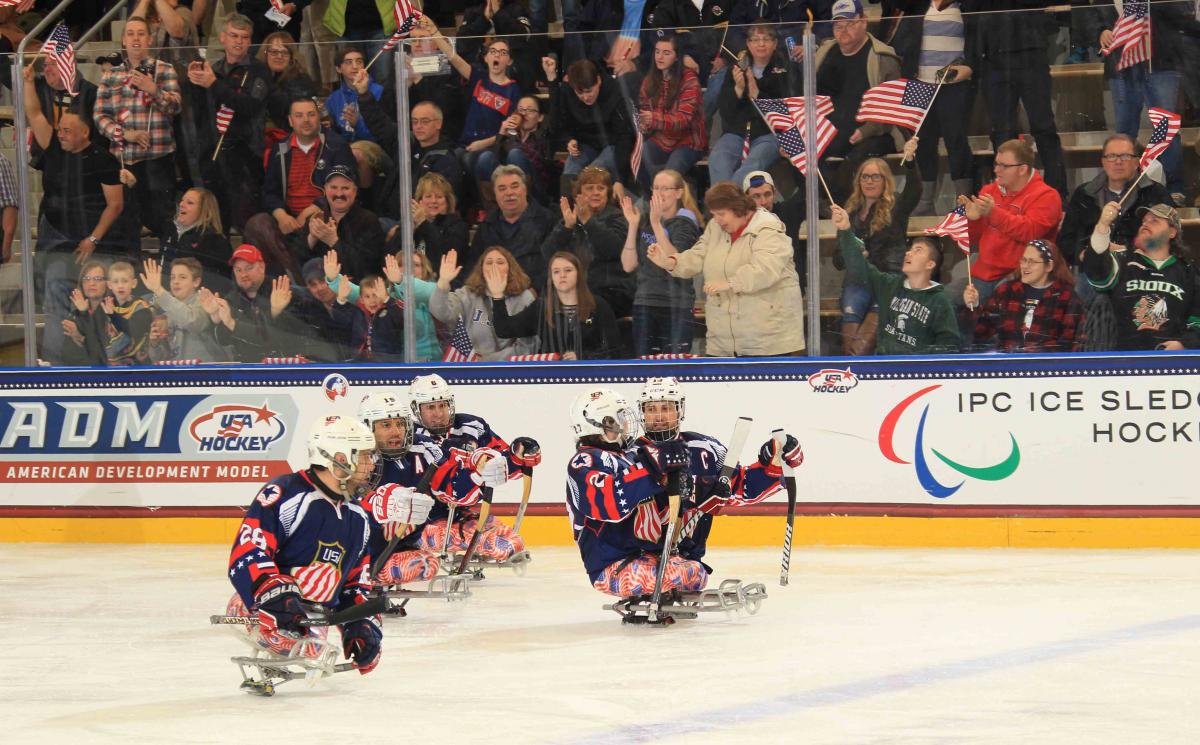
744	62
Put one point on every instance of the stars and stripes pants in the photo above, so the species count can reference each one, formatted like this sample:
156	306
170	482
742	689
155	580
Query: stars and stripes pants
310	644
499	541
627	578
408	566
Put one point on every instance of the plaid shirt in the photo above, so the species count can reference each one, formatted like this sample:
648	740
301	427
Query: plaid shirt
1057	324
679	122
146	112
8	183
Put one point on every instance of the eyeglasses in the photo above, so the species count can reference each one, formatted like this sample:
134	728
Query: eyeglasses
1118	157
278	53
872	177
667	188
498	53
528	110
94	278
1032	262
1006	166
424	121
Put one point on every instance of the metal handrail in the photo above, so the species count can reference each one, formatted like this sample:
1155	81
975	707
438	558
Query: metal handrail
19	121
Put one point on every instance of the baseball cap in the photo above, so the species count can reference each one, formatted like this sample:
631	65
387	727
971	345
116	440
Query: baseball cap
313	269
847	9
757	178
343	171
246	252
1166	212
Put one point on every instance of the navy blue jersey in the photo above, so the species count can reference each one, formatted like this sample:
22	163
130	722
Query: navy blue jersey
294	528
467	433
407	470
618	510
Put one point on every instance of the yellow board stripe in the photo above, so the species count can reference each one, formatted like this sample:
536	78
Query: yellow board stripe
742	531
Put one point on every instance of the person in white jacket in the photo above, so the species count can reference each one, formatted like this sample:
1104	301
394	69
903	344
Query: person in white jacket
754	306
471	303
190	327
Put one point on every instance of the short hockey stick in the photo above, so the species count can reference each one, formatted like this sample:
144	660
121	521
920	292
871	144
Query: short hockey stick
673	504
527	486
371	607
737	442
789	480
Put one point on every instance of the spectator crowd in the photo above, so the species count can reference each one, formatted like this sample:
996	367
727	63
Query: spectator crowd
613	193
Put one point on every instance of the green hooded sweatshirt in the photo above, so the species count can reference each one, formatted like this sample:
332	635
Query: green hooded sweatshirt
910	321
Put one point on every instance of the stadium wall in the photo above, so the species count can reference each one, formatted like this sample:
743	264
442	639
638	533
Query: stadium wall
1030	451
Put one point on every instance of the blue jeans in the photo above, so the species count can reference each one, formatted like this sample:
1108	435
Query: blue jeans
489	161
655	159
857	302
1132	89
661	330
712	93
725	160
588	156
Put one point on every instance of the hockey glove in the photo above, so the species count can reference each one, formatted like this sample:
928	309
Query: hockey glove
393	503
491	472
531	451
362	642
662	458
279	608
793	455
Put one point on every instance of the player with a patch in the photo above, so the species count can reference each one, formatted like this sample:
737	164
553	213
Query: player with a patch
304	541
488	458
1155	292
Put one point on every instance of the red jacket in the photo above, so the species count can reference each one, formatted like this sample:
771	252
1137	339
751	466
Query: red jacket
679	122
1033	212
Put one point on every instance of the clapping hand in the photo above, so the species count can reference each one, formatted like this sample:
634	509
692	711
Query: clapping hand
333	267
281	295
569	216
633	215
496	280
78	300
448	270
391	269
343	289
109	305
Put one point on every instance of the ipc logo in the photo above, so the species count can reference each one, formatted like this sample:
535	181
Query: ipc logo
929	482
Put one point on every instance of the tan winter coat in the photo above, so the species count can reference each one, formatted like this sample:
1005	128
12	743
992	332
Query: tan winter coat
763	313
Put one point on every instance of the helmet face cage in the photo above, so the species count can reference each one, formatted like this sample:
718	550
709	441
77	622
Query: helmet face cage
604	413
662	390
335	445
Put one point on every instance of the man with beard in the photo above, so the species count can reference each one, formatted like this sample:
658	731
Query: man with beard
1153	289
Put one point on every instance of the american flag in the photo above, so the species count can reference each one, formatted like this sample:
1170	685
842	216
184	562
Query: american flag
541	357
784	113
461	349
1133	33
224	117
119	130
406	19
635	159
1165	126
62	53
901	102
792	143
955	226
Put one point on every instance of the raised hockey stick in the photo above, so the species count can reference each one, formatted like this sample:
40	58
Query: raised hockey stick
402	530
789	480
527	487
673	503
737	443
485	508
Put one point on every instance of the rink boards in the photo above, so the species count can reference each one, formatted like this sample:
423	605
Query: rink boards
1079	450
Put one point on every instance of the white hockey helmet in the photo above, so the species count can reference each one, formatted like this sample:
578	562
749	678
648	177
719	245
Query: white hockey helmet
336	443
427	389
379	406
604	412
661	389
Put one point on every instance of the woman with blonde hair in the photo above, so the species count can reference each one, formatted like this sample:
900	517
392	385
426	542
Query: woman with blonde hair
475	306
196	233
662	305
593	228
879	217
753	305
437	228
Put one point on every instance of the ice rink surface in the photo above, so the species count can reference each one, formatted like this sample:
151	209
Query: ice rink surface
113	644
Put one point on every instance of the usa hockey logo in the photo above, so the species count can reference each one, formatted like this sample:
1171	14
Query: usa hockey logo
237	428
336	386
832	380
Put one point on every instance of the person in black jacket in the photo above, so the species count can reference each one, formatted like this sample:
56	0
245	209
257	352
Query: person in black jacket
594	229
278	53
708	24
567	318
437	228
251	321
344	226
592	120
767	75
508	19
237	85
196	233
518	224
